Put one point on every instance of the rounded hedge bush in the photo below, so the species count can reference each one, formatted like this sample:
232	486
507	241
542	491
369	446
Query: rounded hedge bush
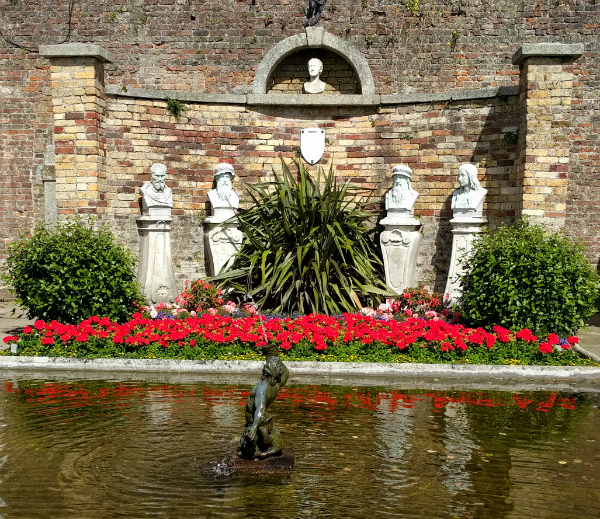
524	276
70	272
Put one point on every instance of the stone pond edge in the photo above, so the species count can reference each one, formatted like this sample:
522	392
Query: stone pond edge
300	368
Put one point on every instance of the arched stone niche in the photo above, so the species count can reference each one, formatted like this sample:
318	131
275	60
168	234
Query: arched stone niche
314	39
292	72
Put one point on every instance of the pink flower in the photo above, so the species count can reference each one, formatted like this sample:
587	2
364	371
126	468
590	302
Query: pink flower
212	311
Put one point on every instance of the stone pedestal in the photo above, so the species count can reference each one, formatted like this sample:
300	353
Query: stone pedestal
222	240
284	463
464	231
155	270
400	245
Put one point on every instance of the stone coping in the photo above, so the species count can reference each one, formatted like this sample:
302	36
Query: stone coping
529	50
451	371
296	100
76	50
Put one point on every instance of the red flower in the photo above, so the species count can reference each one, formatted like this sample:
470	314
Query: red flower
47	340
545	347
573	340
27	329
553	339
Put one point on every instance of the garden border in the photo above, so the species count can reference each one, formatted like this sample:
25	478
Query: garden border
558	373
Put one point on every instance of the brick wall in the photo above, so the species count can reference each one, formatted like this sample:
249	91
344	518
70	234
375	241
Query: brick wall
363	146
206	47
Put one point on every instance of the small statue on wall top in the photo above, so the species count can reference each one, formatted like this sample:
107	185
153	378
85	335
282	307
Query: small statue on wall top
467	200
314	12
314	85
223	198
401	197
156	195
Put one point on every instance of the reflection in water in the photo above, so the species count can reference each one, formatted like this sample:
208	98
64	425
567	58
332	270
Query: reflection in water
105	449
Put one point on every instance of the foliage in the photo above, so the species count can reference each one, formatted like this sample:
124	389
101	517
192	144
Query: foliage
175	107
308	247
201	295
349	337
70	272
523	276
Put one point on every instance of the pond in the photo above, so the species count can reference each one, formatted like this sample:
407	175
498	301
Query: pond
99	449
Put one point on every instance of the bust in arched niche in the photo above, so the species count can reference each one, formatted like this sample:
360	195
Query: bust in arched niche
314	85
467	200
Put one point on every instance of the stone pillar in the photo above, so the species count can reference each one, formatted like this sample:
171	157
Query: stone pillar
546	82
155	271
464	231
400	245
222	241
79	105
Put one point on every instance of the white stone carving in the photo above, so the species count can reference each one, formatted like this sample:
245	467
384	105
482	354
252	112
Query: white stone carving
312	144
314	85
222	238
155	270
467	223
157	197
402	235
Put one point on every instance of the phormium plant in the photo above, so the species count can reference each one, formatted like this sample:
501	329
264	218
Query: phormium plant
308	247
70	271
524	276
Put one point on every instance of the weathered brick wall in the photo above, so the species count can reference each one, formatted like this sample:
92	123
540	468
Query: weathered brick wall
206	47
363	145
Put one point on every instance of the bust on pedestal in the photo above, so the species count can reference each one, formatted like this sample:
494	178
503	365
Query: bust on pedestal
155	271
223	238
401	238
467	223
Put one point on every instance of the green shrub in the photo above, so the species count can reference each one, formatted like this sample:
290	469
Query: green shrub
70	272
308	247
524	276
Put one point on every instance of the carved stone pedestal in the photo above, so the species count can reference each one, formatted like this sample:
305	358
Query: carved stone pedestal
222	240
284	463
400	245
464	231
155	270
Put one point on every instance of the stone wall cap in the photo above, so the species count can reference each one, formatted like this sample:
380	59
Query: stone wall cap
76	50
314	99
529	50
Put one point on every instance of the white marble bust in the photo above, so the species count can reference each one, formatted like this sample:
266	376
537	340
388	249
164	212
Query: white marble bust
467	200
157	197
224	200
400	199
314	85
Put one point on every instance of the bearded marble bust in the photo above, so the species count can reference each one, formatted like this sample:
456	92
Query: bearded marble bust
224	200
400	199
467	200
157	197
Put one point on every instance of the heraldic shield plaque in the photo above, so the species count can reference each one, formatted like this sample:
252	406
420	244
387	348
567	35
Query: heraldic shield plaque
312	144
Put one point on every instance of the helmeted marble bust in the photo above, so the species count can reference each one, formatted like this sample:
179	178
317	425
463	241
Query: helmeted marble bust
223	198
400	199
157	197
467	200
314	85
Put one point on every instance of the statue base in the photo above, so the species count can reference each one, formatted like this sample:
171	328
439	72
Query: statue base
284	463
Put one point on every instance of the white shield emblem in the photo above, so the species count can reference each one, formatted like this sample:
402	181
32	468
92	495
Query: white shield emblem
312	144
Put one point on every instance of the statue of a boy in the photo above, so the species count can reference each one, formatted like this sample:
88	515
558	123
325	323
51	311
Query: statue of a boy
261	438
467	200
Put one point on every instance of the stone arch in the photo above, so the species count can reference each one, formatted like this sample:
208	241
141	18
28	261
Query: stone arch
314	37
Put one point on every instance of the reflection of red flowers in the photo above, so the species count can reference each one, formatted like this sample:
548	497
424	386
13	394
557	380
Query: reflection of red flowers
545	347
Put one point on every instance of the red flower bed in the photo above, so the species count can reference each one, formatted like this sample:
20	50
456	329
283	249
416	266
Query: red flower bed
319	330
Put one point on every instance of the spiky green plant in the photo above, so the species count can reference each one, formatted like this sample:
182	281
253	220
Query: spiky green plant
308	246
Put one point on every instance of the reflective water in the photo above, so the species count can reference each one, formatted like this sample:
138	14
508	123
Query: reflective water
98	449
